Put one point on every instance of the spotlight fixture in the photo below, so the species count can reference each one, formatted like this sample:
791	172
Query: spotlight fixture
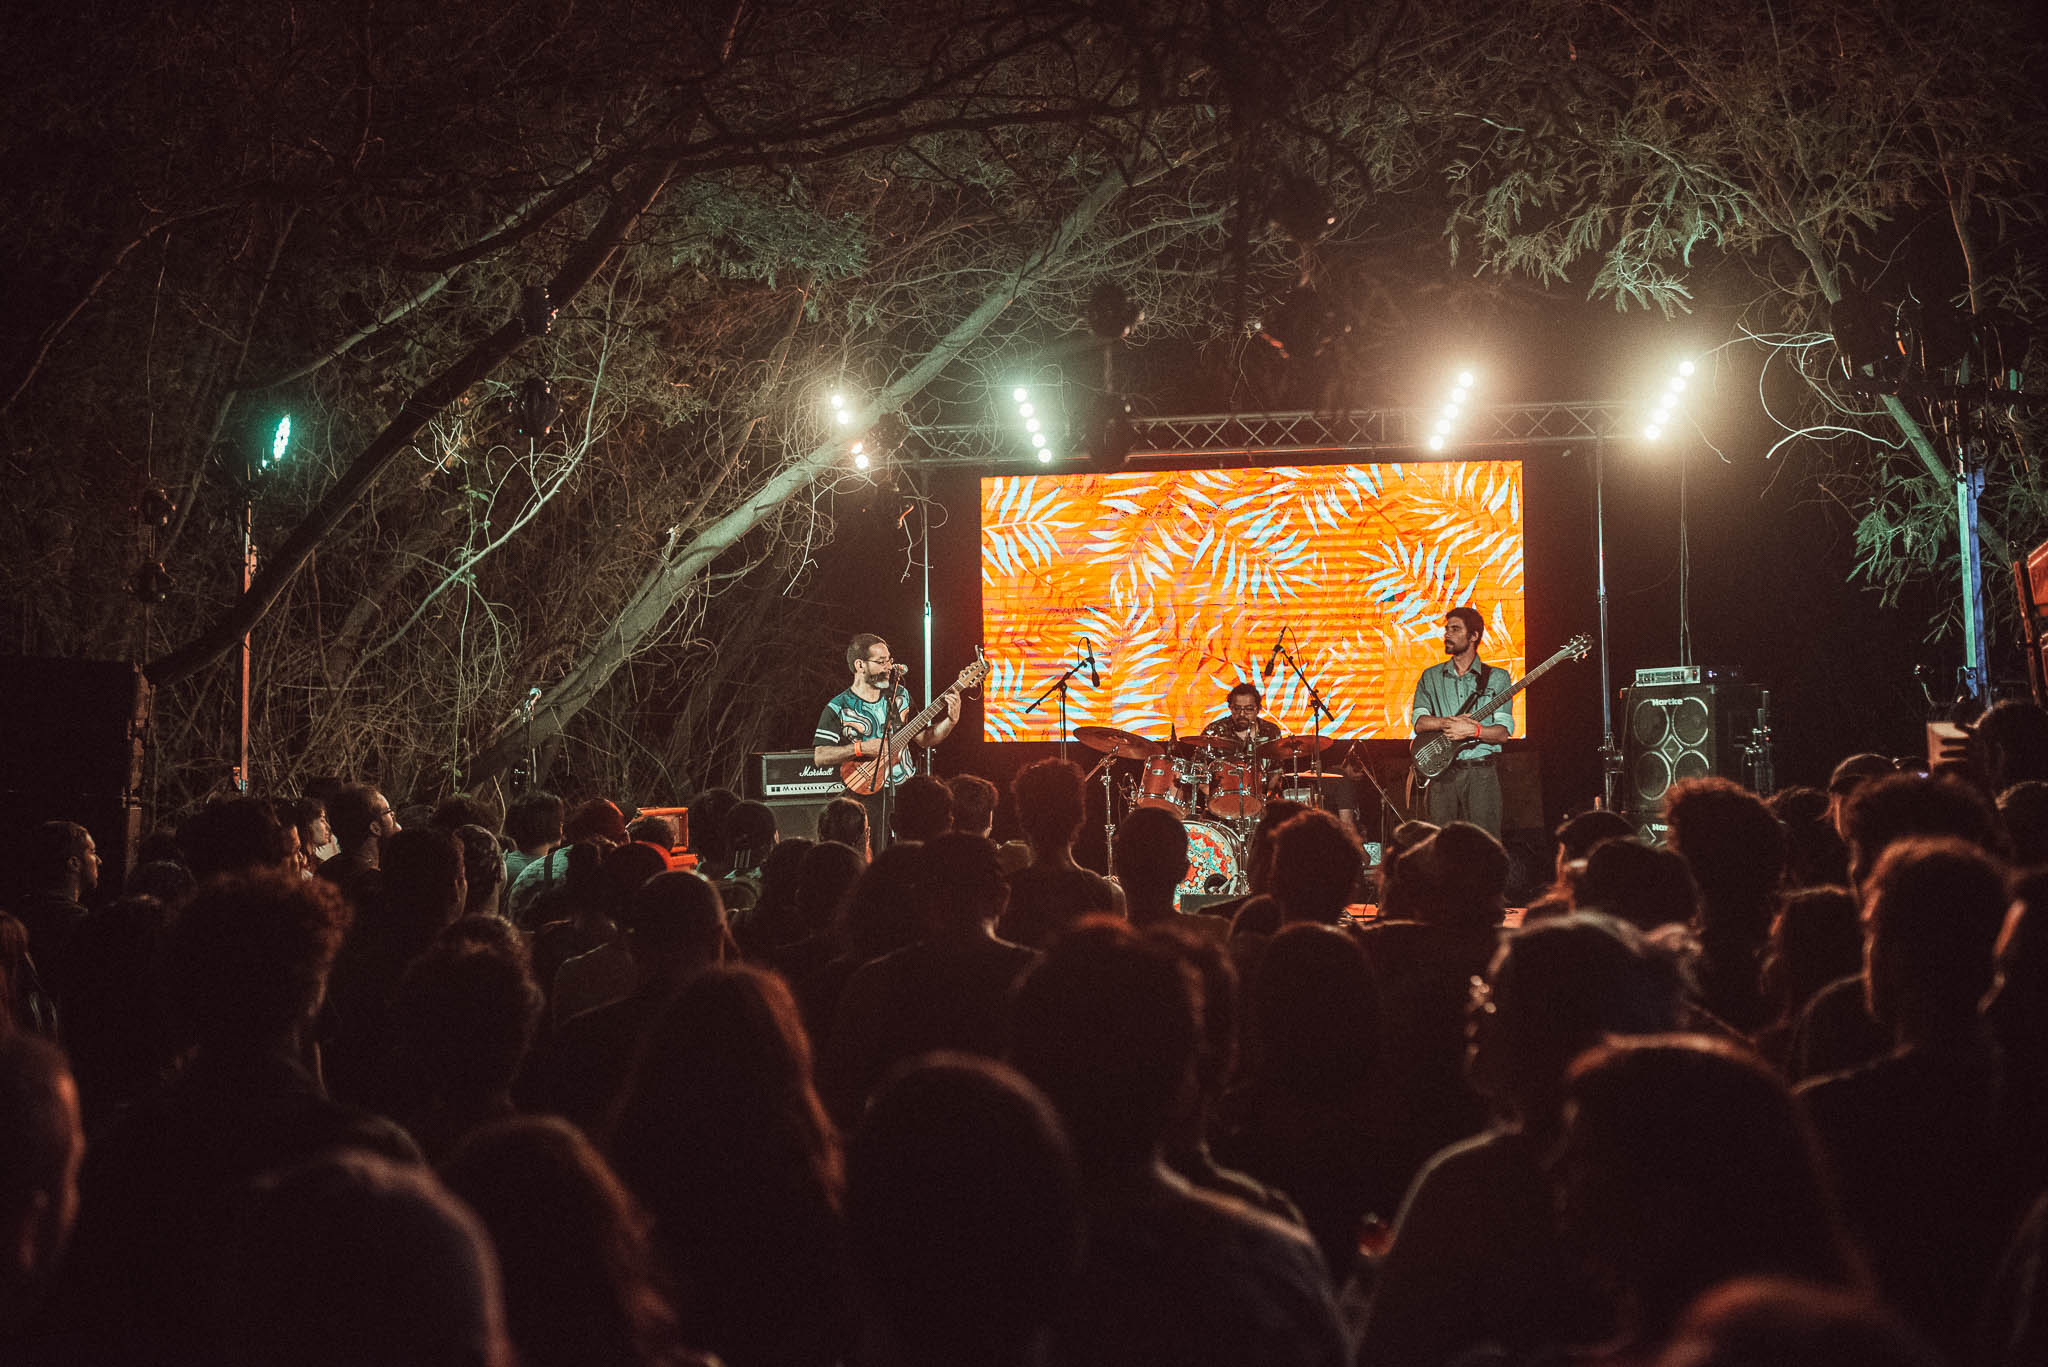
1666	407
842	410
1453	407
1034	424
860	455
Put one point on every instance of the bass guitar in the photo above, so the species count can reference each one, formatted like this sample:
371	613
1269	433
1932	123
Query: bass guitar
865	776
1436	751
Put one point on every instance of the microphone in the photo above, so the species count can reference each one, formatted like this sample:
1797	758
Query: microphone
1274	656
1094	679
898	671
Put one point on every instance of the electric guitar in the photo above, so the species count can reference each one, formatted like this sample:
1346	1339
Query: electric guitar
865	776
1436	751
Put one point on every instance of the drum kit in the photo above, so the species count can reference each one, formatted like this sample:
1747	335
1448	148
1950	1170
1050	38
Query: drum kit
1216	785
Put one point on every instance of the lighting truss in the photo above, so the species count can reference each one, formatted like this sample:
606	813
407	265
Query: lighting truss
1274	437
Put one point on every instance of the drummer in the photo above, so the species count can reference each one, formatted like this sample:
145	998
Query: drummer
1242	725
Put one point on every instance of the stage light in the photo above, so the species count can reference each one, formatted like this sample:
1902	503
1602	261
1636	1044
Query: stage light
1447	415
860	455
1665	411
1034	423
280	441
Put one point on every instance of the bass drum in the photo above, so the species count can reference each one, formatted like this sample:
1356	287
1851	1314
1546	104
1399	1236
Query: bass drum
1214	853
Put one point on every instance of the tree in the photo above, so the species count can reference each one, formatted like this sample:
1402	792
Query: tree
1787	157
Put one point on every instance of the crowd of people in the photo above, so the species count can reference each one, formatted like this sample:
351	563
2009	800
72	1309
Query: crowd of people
332	1084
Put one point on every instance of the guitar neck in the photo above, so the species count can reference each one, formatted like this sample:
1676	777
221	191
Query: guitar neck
913	728
1491	702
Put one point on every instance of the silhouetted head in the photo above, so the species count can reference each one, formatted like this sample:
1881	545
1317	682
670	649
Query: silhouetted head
1888	809
1554	990
967	884
464	1016
1784	1322
1685	1161
1151	855
1932	912
1314	1016
845	820
675	923
1316	863
535	819
350	1259
1736	851
1637	883
1051	802
1816	938
963	1212
1107	1027
922	808
236	835
247	959
974	803
578	1266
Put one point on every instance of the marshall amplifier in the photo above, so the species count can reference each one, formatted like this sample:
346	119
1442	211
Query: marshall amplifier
795	789
790	773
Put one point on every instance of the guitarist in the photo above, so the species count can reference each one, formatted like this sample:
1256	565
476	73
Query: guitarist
856	722
1470	789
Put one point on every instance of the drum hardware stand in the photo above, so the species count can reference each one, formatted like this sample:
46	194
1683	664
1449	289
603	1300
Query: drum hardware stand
1108	812
1387	807
1059	686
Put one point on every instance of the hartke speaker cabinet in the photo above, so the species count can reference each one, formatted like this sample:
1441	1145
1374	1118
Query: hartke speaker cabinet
1674	732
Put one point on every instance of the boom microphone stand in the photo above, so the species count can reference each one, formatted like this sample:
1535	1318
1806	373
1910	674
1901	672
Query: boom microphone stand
1059	686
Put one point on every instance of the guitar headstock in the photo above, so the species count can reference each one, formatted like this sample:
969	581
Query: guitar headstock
974	673
1579	646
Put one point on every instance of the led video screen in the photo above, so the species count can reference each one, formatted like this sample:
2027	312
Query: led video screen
1182	580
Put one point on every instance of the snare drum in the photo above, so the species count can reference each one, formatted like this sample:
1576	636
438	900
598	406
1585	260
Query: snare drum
1165	787
1213	852
1237	789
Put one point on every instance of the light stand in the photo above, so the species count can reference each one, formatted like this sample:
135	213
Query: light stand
1610	756
248	577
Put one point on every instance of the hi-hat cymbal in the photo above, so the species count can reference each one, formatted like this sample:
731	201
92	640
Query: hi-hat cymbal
1111	741
1295	747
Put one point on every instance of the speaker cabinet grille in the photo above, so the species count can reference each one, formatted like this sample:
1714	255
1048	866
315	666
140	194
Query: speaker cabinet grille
1684	731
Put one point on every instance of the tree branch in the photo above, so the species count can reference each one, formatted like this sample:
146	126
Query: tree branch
576	272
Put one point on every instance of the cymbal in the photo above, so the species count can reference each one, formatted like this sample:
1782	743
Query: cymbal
1293	747
1309	776
1200	742
1111	741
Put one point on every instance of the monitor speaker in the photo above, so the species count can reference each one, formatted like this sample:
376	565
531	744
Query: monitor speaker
1675	732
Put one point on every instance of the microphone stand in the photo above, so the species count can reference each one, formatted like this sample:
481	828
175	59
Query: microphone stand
1059	686
887	760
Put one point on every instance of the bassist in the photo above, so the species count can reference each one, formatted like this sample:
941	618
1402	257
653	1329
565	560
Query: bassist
855	724
1470	789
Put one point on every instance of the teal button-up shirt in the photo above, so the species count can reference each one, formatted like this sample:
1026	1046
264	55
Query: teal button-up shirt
1443	692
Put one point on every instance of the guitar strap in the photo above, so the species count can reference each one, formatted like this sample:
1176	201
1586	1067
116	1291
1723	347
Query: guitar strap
1479	692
